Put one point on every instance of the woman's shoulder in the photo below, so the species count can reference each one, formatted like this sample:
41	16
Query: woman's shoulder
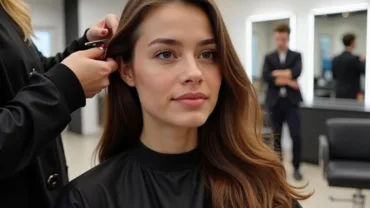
90	188
103	173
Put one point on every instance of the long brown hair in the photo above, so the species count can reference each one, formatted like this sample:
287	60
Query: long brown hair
239	169
19	12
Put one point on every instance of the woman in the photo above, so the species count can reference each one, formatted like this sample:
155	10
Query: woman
183	123
35	106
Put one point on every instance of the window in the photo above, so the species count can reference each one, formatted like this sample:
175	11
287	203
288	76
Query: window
255	61
43	41
325	52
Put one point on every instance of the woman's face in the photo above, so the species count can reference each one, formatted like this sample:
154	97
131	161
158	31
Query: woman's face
174	68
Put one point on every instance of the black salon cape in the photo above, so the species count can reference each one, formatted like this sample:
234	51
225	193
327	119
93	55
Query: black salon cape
140	178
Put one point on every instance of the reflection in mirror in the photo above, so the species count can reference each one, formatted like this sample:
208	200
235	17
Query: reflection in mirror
262	44
339	55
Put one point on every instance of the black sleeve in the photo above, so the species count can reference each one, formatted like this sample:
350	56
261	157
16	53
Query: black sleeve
266	74
76	45
297	68
360	66
36	115
334	68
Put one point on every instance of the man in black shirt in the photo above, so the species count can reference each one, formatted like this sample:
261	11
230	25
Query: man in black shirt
347	69
281	69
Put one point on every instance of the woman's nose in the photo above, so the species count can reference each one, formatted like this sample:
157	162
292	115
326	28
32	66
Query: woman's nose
192	72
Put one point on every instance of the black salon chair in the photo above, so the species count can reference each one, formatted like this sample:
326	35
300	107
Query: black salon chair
345	156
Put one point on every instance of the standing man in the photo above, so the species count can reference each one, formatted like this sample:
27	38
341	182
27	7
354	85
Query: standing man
281	69
347	69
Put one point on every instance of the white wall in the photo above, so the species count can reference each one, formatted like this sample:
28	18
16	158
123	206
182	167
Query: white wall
90	12
235	13
49	14
336	27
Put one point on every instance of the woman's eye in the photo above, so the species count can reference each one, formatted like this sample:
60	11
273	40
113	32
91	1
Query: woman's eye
165	55
208	55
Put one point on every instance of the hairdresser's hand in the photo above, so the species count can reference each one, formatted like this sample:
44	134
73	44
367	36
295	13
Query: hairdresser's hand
93	74
104	29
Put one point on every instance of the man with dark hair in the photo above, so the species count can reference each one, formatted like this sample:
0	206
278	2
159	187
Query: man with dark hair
281	69
348	39
347	69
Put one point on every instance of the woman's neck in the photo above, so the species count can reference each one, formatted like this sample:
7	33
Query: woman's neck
168	139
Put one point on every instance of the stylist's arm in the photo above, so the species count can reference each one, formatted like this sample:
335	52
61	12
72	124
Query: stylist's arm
41	110
92	73
104	29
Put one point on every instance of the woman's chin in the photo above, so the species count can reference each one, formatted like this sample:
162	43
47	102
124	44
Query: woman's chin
193	121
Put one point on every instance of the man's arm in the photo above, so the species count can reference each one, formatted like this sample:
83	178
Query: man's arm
292	73
296	70
267	72
281	81
282	73
360	65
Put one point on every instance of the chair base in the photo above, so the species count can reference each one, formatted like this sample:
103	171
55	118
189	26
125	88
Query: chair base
358	199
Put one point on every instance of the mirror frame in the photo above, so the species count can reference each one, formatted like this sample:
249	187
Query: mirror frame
311	48
263	18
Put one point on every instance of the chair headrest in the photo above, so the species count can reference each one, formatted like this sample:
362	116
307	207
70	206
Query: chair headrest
349	138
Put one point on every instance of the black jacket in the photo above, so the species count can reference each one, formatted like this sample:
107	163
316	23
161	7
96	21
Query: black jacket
142	178
347	69
293	61
37	95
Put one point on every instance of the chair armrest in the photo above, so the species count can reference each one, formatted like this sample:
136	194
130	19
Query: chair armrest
324	155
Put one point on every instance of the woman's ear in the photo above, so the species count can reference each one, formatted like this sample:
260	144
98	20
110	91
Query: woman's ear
127	74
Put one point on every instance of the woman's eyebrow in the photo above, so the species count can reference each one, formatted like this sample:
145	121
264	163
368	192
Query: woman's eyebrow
169	41
207	42
166	41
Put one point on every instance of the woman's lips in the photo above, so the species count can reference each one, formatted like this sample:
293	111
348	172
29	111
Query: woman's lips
192	100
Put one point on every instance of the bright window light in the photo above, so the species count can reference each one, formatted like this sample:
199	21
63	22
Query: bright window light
43	42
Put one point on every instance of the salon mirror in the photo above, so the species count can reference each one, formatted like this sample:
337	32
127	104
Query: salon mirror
262	43
338	38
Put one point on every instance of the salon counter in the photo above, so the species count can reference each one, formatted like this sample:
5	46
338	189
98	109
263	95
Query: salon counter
314	116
